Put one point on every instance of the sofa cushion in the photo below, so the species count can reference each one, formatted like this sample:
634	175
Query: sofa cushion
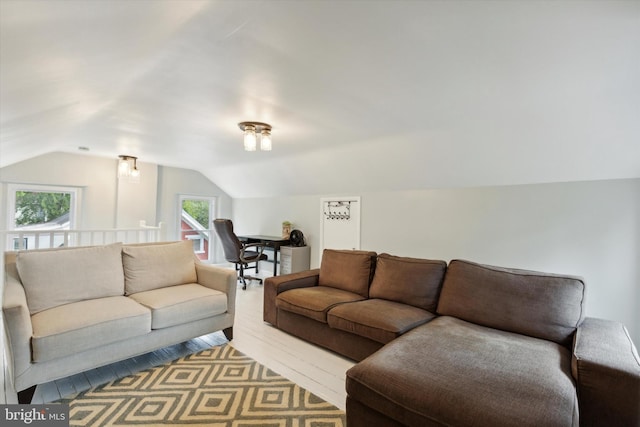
347	270
377	319
154	266
412	281
62	276
451	372
76	327
314	302
176	305
541	305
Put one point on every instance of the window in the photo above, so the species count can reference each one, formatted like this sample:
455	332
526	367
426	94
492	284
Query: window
198	242
34	209
196	214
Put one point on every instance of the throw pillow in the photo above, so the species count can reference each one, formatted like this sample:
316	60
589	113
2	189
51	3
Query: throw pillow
62	276
347	270
412	281
541	305
154	266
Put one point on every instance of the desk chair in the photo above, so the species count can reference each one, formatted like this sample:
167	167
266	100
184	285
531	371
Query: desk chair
236	252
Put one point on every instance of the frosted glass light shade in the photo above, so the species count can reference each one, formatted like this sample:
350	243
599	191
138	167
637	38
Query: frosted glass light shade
134	176
254	131
128	168
250	138
123	168
265	140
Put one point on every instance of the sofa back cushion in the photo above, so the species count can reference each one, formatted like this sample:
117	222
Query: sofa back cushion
347	270
63	276
540	305
155	266
412	281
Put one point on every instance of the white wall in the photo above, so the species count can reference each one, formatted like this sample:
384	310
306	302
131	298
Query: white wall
136	201
95	175
591	229
110	203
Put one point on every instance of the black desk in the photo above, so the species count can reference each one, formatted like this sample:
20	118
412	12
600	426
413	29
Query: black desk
273	242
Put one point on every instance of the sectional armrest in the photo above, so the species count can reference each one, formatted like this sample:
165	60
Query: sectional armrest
17	321
220	279
277	284
606	367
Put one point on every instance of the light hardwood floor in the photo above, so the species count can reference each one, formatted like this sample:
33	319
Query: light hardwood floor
319	371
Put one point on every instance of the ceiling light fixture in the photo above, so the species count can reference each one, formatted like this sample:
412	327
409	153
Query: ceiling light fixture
251	131
128	168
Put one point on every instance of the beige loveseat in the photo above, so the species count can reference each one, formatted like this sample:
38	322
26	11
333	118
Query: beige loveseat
72	309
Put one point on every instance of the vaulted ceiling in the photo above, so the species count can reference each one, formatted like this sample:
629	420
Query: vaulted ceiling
362	95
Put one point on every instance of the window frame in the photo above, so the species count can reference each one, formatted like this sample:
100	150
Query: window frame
74	202
200	239
213	207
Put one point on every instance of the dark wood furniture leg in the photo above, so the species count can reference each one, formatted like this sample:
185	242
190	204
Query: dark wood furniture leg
275	260
228	332
25	396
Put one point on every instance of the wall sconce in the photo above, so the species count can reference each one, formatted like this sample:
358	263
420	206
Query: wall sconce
128	168
251	131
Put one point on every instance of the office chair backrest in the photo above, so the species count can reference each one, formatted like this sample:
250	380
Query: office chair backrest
230	243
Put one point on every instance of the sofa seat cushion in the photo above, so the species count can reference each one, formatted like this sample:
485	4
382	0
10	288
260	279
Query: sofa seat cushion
377	319
314	302
79	326
451	372
175	305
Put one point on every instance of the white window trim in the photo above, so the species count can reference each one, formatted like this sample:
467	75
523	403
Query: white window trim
200	239
213	208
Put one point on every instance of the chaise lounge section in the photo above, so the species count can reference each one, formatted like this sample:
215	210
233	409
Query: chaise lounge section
496	347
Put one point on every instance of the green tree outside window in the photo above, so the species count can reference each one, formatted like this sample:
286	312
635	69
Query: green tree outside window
39	207
198	209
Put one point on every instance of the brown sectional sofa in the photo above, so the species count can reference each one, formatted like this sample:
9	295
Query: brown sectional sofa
463	344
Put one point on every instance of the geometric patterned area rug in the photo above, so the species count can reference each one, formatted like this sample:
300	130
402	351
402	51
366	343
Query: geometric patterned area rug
217	387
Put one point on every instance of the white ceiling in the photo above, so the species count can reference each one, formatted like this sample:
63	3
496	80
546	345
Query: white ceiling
363	96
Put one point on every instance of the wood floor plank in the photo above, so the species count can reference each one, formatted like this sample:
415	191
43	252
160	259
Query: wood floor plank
91	375
131	364
79	381
121	369
143	362
47	392
65	386
100	375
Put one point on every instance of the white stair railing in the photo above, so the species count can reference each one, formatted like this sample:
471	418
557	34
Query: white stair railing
43	239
